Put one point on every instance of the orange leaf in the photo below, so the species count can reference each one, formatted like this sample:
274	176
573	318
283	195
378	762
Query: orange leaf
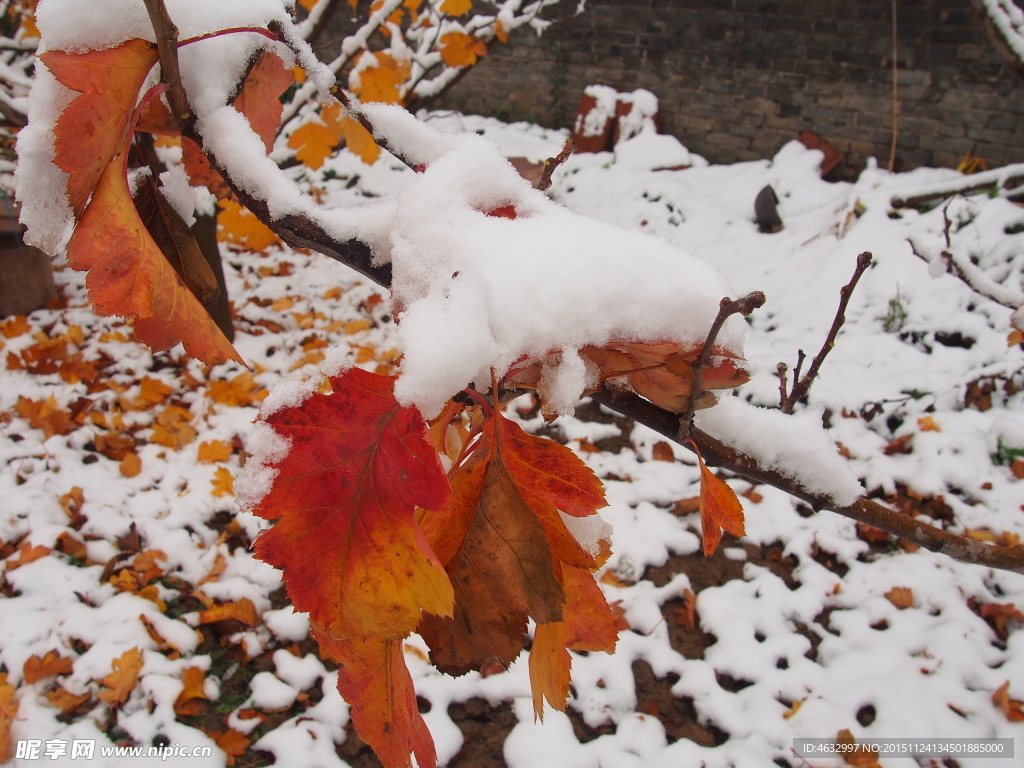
61	698
501	538
719	508
901	597
238	226
998	614
129	276
313	143
375	682
260	100
232	742
456	7
383	82
588	625
213	451
16	326
173	427
46	415
93	127
352	554
1012	709
52	663
461	50
240	390
190	700
238	610
27	553
8	714
359	140
131	465
118	684
860	756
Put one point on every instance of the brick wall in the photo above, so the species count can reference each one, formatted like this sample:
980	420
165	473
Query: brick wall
736	79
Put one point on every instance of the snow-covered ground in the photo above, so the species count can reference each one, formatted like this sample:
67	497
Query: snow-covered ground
809	635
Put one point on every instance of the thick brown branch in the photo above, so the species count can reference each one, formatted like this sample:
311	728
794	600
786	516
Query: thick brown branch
716	453
801	387
167	46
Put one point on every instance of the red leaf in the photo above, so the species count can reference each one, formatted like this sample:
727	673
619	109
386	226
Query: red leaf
352	554
260	100
375	682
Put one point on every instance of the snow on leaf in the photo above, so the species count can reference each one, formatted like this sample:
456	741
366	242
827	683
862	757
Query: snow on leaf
119	683
375	681
461	50
129	276
92	129
344	496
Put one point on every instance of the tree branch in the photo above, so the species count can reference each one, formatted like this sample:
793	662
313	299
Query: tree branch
302	232
864	510
801	387
167	46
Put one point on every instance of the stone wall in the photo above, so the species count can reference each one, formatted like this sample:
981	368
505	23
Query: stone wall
736	79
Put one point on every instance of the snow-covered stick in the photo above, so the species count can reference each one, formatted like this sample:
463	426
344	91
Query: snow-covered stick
863	510
801	386
1004	22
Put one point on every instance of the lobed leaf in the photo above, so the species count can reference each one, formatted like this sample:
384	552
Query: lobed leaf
352	554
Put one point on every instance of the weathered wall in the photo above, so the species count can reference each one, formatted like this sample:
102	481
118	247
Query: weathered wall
738	78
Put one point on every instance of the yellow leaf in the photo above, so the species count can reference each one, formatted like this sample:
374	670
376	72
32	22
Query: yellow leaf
928	424
213	451
8	713
119	683
223	482
359	140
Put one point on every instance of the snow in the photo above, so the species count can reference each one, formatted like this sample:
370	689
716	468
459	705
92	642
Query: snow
809	624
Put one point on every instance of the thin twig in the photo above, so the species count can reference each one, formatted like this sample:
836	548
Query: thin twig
167	47
801	386
726	308
553	162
